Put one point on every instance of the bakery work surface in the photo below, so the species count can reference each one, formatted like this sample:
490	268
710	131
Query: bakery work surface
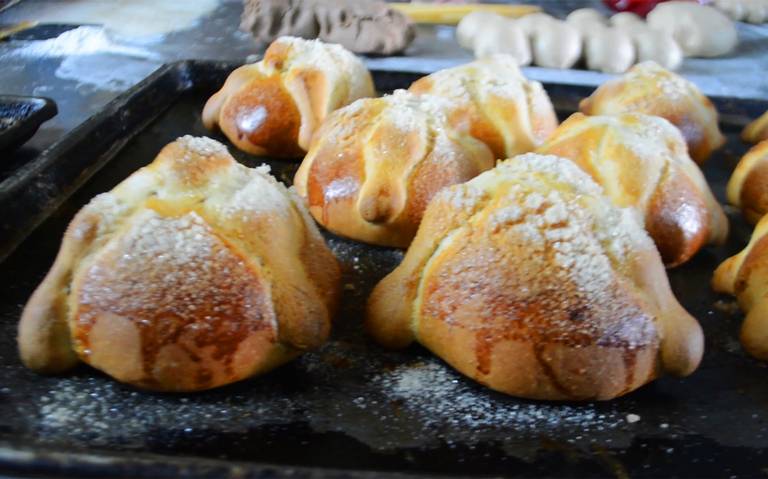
351	406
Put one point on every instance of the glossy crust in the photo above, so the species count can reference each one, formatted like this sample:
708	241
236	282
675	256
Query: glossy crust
748	185
192	273
274	106
374	165
649	88
756	131
641	161
529	281
491	97
745	276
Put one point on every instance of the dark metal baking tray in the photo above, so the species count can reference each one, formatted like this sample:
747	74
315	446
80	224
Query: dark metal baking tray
20	117
352	408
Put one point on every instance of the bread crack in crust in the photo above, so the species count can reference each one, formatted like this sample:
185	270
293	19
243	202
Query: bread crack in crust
374	166
528	280
192	273
651	89
641	161
273	107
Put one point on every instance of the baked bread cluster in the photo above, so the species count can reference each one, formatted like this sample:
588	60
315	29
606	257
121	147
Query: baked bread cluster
273	107
528	280
641	161
651	89
374	166
192	273
535	277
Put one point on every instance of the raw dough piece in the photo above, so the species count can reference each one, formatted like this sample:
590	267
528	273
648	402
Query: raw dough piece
752	11
609	50
555	44
471	25
506	38
586	20
362	26
699	30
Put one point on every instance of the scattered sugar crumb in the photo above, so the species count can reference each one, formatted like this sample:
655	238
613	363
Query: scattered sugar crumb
632	418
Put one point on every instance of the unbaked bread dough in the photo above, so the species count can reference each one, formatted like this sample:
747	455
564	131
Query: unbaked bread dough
700	31
609	50
586	20
556	44
752	11
362	26
473	24
506	38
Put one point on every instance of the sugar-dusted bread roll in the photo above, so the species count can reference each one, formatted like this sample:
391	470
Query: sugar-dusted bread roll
650	89
748	186
528	280
641	161
192	273
502	108
374	165
745	276
274	106
756	131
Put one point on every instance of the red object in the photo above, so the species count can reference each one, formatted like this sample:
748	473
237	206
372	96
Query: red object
640	7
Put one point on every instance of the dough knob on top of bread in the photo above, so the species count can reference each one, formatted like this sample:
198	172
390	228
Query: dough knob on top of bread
748	185
528	280
491	97
651	89
745	275
274	106
374	166
757	130
192	273
642	162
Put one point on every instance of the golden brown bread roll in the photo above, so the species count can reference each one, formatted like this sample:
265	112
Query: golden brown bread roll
192	273
274	106
502	108
650	89
374	165
528	280
745	276
642	162
756	131
748	185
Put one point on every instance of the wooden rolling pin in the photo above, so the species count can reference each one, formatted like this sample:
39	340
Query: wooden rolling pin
450	14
